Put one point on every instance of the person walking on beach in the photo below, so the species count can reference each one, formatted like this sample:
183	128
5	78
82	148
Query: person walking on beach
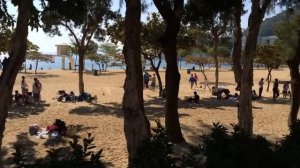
153	82
196	79
36	90
206	83
261	86
285	89
275	89
192	80
146	79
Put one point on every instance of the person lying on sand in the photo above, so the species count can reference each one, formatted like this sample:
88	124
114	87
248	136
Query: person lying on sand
220	92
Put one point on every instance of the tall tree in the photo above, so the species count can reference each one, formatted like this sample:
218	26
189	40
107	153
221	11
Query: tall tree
288	33
238	10
212	16
89	22
27	15
34	55
136	124
151	49
171	12
245	116
268	55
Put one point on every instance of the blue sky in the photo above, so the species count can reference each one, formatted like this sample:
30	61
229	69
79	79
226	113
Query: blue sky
47	43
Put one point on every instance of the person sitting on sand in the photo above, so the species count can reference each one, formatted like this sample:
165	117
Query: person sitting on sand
29	98
219	92
18	98
72	96
195	99
61	95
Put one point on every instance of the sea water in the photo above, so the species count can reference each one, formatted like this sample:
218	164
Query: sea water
57	64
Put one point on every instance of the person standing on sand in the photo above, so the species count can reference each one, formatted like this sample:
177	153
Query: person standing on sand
261	86
36	90
24	88
192	80
153	82
196	79
275	89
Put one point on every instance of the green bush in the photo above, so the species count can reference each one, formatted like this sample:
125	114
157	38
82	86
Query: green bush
75	156
288	149
155	152
221	149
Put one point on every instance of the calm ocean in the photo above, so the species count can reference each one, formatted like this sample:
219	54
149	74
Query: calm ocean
89	64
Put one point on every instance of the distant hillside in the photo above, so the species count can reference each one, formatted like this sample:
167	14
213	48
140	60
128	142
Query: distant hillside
268	25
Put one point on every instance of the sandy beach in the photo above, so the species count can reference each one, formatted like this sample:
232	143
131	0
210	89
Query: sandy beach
105	120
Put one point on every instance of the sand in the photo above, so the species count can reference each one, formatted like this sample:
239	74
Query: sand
104	117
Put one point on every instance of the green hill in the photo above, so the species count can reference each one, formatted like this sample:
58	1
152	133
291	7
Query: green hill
268	25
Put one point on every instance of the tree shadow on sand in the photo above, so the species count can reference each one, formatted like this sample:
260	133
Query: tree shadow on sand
214	103
27	147
113	109
18	111
41	75
279	100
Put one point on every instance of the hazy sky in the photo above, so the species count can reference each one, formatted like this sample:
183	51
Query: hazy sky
47	43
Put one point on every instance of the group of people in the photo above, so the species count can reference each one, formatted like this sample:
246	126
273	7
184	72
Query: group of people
27	97
63	96
276	90
147	78
193	80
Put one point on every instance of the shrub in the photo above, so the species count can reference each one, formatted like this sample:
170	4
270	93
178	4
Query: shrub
221	149
288	149
74	156
155	151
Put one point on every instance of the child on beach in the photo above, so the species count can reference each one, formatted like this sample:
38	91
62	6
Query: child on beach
192	80
285	89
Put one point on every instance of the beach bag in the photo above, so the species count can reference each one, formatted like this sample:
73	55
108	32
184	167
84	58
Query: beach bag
33	129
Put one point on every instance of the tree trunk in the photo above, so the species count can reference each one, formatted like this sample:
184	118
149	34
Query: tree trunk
36	66
81	52
25	66
295	84
168	41
245	115
156	71
16	59
216	40
269	78
136	124
237	45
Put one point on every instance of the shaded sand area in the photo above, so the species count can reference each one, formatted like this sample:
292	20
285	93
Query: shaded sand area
104	117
